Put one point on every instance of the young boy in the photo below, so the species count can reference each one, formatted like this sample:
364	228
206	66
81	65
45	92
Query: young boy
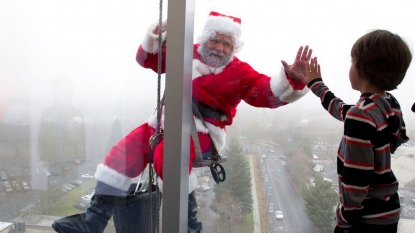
373	129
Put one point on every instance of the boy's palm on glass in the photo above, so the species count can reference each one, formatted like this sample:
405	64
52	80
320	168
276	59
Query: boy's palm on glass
313	71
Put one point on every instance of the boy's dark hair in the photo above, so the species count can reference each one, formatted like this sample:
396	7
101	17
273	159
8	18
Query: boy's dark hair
382	58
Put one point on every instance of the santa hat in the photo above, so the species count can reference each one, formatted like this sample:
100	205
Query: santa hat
223	24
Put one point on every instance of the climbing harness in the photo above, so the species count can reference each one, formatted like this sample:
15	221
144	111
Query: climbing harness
217	170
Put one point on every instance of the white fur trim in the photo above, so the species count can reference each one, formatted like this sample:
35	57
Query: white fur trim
112	178
150	43
152	121
222	25
218	136
282	89
199	69
192	182
199	126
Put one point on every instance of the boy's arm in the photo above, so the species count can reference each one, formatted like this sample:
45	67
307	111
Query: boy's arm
355	166
335	106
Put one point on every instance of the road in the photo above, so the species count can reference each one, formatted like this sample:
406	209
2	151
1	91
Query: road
283	195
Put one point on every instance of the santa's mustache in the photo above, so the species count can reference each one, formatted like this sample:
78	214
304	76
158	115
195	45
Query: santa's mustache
216	53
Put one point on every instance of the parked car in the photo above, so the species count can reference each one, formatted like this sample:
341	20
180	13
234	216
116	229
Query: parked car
71	186
29	206
204	188
271	207
279	215
54	173
263	156
87	176
65	188
86	198
4	176
80	206
25	186
7	186
79	182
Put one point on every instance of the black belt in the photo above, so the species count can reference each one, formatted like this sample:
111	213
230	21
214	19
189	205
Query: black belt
208	112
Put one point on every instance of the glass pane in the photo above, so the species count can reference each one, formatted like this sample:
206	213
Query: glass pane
71	90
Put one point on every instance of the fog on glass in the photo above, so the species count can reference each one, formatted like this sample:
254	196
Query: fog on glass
91	46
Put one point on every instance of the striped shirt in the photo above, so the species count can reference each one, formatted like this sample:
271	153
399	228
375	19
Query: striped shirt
373	129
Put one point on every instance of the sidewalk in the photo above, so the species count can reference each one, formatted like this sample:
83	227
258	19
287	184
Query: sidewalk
255	208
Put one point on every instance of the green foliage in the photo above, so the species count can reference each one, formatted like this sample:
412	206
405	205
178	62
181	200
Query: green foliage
299	166
321	200
238	177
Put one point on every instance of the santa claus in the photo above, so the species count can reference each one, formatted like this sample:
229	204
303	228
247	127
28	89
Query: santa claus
220	82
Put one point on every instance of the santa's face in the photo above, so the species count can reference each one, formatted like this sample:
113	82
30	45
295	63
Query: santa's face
218	50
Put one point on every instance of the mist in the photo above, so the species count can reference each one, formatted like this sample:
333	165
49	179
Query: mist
93	43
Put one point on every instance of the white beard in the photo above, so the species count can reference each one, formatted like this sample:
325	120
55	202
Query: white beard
211	57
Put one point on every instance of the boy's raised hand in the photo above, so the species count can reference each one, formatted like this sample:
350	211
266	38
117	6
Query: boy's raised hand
313	71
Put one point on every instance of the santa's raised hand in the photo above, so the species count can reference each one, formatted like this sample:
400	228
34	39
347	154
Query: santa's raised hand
300	63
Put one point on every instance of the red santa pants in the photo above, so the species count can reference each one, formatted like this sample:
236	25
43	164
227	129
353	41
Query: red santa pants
131	154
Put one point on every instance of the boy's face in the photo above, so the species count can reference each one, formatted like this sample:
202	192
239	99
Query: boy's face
354	77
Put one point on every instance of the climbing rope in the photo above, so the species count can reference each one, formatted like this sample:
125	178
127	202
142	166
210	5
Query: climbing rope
158	132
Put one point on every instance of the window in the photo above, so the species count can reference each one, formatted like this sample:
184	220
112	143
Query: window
70	89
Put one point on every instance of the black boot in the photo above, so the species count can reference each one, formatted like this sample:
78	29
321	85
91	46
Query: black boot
193	224
94	220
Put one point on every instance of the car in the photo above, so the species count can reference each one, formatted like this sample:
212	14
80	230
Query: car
65	188
25	186
80	206
204	188
71	186
87	176
279	215
263	156
77	182
54	173
29	207
7	186
4	176
86	198
47	173
271	207
270	151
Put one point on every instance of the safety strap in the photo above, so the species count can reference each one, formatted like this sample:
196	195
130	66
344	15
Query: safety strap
193	131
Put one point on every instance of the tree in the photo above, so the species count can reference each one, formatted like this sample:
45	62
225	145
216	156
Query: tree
238	176
299	167
321	200
116	134
230	211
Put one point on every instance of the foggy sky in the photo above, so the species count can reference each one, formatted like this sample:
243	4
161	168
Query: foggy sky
93	43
